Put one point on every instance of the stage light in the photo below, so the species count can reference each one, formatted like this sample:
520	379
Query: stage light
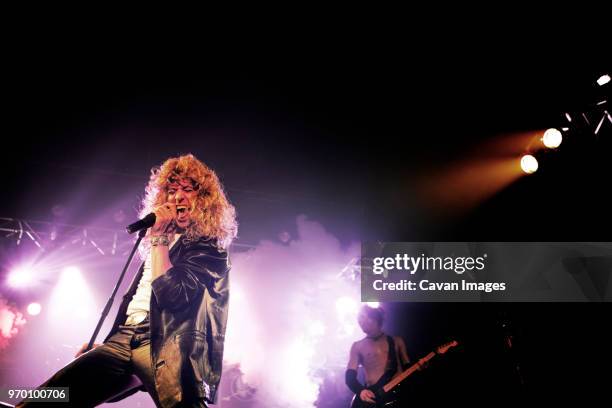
71	297
604	79
373	304
346	306
20	278
34	309
529	164
71	273
552	138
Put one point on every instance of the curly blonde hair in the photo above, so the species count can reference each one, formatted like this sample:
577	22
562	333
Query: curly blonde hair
213	215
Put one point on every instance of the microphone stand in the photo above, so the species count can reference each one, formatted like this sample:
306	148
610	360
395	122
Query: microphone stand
110	301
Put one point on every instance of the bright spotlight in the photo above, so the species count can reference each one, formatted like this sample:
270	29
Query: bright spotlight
72	275
71	297
552	138
346	305
604	79
529	164
34	309
20	278
373	304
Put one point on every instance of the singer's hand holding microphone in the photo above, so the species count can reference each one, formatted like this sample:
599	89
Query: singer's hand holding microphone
161	220
165	215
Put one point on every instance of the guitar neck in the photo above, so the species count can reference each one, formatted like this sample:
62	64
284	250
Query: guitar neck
408	372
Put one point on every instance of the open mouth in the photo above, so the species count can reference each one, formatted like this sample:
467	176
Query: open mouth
181	211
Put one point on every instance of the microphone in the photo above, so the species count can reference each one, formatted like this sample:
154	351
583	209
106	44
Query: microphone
146	222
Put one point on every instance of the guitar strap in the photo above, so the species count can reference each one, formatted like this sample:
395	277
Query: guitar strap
391	365
392	356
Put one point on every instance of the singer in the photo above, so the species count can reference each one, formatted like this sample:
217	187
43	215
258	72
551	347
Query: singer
169	331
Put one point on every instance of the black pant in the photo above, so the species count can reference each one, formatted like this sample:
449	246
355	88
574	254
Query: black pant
105	371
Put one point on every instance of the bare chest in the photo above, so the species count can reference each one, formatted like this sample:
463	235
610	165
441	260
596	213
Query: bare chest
375	353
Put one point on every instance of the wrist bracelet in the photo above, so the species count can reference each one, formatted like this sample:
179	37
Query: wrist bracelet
160	240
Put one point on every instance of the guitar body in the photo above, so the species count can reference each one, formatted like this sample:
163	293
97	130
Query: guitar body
386	401
358	403
383	399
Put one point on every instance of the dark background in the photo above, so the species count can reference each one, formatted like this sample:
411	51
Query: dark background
335	135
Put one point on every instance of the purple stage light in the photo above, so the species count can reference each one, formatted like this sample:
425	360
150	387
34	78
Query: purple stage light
346	307
34	309
20	277
72	297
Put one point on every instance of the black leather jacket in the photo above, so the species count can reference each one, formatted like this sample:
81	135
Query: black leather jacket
188	316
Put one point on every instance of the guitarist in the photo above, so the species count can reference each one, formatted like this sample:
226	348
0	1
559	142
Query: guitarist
382	356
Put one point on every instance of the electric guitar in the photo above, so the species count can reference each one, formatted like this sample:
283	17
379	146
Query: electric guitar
386	394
